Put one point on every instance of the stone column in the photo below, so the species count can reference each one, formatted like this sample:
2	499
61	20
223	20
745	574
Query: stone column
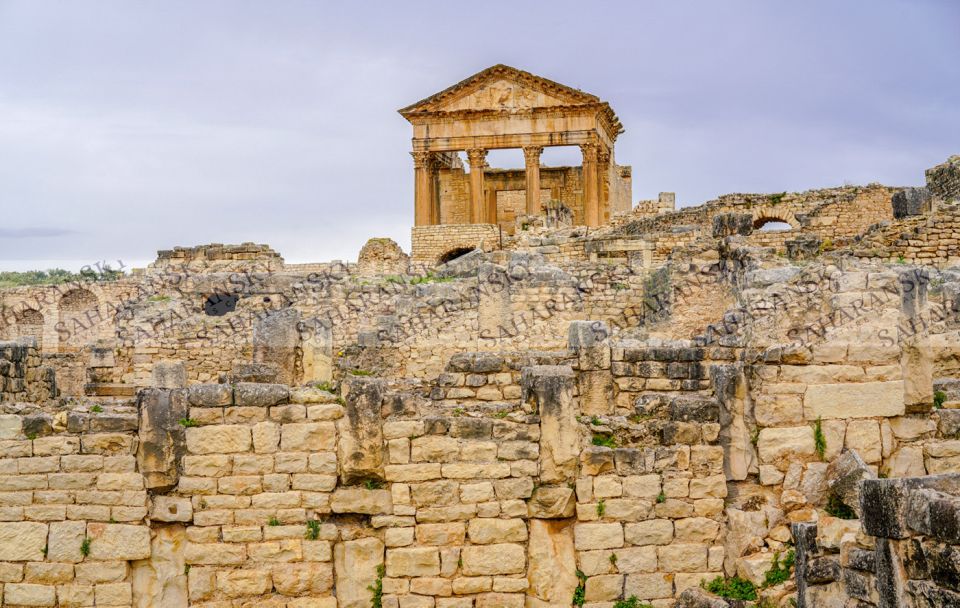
423	213
591	198
477	159
603	185
531	156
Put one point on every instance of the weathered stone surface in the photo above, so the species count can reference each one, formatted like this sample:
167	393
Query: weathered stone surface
485	560
275	340
65	539
845	476
160	580
118	541
552	561
22	541
171	509
162	439
221	439
777	445
854	400
360	448
489	530
252	394
549	389
413	561
552	503
355	565
360	500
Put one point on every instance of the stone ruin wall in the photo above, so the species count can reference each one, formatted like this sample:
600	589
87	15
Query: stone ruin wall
489	478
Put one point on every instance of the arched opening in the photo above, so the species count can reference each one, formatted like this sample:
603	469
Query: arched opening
79	315
454	254
769	224
30	324
219	304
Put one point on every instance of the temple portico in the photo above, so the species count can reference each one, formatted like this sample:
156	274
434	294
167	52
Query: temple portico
505	108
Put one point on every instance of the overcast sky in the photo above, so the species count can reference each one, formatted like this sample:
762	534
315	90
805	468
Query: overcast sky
132	126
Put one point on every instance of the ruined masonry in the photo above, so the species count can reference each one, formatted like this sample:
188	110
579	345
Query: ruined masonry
607	405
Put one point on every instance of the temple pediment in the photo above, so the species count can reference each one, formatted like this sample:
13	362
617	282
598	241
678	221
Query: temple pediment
501	88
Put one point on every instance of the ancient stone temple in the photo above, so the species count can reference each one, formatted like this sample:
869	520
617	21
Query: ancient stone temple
505	108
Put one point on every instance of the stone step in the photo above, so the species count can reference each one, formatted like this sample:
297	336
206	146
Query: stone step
109	389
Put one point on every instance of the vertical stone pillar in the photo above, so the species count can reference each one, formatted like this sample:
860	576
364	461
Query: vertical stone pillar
491	198
276	338
531	157
162	441
591	195
603	185
423	208
477	159
587	339
549	389
360	449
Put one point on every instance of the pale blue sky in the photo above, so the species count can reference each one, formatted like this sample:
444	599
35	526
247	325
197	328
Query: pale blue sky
131	126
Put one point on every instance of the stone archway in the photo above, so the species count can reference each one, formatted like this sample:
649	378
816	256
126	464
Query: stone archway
78	319
767	215
453	254
30	324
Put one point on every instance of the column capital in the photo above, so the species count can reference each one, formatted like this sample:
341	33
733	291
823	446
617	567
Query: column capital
477	157
531	154
603	155
590	151
422	159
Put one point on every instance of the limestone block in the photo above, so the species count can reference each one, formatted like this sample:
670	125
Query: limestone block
266	437
308	437
648	586
118	541
779	409
434	448
605	587
25	594
863	436
845	476
549	389
682	557
552	503
10	426
65	539
210	395
355	565
238	583
598	536
169	374
631	560
107	444
413	561
360	451
276	337
452	533
552	561
220	439
651	532
299	579
489	530
483	560
777	445
361	500
160	580
714	486
854	400
911	428
171	509
905	462
696	529
831	530
754	567
22	541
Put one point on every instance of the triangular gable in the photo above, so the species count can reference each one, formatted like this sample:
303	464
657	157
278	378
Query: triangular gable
501	87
